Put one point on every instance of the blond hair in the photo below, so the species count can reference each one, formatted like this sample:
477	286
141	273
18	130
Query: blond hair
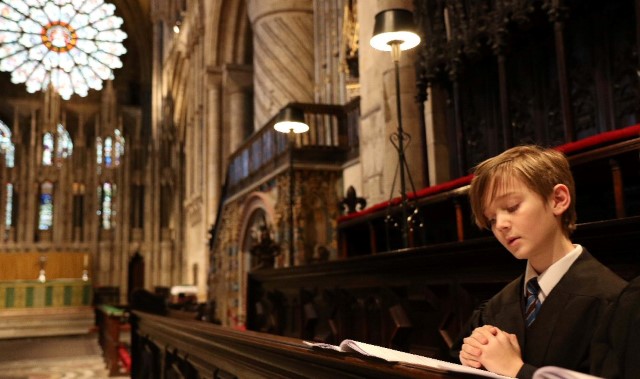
540	169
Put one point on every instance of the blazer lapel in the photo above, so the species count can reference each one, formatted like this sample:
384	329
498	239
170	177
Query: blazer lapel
511	317
542	331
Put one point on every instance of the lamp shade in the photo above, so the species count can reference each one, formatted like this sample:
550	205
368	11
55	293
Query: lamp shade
394	26
291	119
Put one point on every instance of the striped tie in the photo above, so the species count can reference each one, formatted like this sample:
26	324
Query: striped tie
533	303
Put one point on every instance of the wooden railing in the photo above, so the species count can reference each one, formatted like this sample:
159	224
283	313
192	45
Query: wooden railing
605	169
333	134
166	348
415	300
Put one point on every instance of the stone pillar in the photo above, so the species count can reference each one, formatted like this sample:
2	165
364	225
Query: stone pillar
437	146
29	206
213	155
283	54
238	80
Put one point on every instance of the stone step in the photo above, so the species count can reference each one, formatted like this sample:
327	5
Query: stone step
57	357
40	322
71	367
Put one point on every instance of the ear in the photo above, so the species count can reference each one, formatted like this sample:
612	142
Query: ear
560	199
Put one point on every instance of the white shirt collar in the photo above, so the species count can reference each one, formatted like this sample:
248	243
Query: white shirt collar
548	279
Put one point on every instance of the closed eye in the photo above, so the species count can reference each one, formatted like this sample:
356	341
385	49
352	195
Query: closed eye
513	208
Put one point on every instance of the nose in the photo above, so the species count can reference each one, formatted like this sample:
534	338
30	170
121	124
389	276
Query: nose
502	221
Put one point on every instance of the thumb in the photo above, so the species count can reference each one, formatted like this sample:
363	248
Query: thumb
513	340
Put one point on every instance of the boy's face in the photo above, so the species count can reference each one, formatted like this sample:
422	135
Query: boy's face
521	220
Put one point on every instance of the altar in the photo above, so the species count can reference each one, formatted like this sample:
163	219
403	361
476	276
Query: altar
45	294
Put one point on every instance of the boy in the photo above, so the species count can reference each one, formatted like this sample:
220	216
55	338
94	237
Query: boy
547	315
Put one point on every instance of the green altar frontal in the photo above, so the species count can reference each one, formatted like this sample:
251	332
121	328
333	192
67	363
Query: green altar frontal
55	293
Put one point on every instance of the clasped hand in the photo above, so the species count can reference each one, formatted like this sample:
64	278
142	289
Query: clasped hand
493	349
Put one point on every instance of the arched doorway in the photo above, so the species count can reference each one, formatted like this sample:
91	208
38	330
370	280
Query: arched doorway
135	277
258	213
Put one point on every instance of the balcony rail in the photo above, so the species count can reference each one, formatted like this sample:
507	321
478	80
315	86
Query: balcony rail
332	128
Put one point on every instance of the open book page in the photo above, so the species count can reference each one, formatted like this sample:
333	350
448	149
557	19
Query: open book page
553	372
391	355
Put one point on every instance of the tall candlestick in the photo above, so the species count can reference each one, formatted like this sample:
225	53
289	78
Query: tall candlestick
85	271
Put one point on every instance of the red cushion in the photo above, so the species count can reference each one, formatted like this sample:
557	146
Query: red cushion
125	357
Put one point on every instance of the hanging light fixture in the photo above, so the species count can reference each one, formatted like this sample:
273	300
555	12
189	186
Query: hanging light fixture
291	119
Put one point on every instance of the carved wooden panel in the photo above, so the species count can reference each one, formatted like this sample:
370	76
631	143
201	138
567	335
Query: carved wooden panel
518	71
414	300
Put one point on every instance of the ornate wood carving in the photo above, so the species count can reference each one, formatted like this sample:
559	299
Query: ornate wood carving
546	71
352	202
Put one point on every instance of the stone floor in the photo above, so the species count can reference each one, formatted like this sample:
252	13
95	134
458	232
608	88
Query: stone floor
64	357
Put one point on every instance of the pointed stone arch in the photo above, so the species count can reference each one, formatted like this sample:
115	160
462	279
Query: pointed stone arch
257	204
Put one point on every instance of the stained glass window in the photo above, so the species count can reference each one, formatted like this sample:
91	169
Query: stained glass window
45	214
110	151
8	216
61	144
6	146
119	149
98	151
108	147
64	148
47	149
107	192
73	44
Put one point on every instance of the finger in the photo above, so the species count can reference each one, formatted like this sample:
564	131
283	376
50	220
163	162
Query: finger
469	362
513	339
472	341
483	334
491	329
504	336
468	356
473	351
477	339
508	340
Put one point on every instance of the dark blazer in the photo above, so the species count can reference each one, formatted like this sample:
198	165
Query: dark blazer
563	330
616	353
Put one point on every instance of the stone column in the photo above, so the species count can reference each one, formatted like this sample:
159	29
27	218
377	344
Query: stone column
237	82
213	155
29	206
283	54
437	146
